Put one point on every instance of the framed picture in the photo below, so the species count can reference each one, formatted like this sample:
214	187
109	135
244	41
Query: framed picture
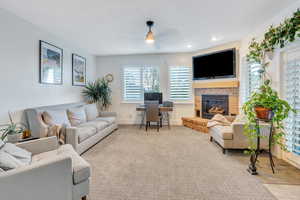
78	70
51	64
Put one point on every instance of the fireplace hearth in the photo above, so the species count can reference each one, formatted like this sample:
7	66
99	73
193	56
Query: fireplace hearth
214	104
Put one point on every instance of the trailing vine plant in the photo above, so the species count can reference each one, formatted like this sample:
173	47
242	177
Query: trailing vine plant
265	96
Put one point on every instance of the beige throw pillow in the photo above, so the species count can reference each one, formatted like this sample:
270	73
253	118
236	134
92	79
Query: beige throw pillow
76	115
91	112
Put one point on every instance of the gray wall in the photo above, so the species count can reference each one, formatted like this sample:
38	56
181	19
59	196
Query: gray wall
19	64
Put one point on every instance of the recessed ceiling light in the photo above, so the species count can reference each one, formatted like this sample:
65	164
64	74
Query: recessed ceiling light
214	38
189	46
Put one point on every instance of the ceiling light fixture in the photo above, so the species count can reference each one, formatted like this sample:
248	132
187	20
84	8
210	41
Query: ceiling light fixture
189	46
150	37
214	39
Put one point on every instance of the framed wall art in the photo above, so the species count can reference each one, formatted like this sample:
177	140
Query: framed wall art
51	64
78	70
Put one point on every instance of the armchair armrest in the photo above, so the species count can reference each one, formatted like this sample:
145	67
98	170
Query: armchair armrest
108	114
72	136
40	145
49	179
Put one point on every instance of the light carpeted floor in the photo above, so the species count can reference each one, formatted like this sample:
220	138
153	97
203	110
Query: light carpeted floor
176	164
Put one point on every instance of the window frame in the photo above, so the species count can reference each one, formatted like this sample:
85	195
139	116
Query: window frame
190	96
141	68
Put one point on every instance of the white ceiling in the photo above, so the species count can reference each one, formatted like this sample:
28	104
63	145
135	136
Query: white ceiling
106	27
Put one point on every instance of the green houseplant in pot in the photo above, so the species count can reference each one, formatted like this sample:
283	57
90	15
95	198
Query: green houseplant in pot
265	104
98	92
12	132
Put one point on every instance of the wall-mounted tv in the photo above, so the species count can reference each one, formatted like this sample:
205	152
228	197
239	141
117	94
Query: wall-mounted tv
221	64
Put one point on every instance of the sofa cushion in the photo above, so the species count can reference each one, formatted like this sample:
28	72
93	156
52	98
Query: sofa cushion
81	168
109	120
76	115
98	124
91	112
56	117
85	131
224	132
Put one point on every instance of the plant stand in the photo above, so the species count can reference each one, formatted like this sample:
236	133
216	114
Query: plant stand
254	155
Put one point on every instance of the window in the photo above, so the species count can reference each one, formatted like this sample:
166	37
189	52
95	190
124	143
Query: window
139	79
292	95
180	82
255	78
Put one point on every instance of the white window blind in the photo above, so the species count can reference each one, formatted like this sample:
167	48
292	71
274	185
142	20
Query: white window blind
139	79
255	72
180	82
292	95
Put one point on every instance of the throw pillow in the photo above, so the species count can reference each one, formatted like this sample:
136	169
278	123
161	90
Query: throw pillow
8	161
20	154
1	144
91	112
56	117
76	115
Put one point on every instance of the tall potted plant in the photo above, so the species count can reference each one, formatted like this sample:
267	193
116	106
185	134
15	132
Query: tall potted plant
265	103
98	92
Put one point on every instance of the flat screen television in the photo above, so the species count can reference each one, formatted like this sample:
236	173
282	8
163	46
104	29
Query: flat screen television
221	64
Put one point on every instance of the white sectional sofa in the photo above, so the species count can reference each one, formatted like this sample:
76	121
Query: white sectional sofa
82	136
55	172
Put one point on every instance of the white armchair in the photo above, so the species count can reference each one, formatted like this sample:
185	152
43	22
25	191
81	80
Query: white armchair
55	173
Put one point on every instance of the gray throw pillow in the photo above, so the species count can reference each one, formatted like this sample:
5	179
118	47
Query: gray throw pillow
1	144
20	154
91	112
8	161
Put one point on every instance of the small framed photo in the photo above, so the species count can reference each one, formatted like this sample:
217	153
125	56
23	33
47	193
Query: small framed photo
51	64
78	70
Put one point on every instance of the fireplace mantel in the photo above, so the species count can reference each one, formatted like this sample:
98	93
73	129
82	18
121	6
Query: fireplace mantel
216	84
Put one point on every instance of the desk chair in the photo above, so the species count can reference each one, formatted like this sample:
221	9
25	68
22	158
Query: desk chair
166	114
152	113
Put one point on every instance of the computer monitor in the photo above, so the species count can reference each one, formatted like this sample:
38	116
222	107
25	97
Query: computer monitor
153	96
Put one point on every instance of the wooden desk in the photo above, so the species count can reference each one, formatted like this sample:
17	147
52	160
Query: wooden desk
162	109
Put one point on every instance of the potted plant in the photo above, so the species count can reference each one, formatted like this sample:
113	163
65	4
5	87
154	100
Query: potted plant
265	104
12	132
98	92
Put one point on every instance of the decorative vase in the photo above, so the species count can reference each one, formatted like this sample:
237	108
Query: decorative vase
14	138
262	113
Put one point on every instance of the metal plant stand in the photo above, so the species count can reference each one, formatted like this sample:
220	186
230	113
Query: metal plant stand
254	156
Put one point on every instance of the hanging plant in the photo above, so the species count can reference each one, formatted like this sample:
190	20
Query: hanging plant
266	102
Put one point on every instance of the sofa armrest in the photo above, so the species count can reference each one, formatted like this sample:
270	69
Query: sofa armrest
72	136
40	145
238	128
47	179
108	114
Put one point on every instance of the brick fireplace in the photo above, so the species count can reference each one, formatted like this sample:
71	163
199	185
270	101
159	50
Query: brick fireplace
218	99
214	104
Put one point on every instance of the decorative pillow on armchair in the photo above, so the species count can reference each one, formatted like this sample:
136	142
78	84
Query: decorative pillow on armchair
76	115
12	157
